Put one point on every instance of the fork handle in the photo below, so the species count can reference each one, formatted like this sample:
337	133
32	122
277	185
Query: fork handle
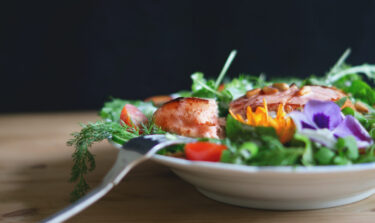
79	205
134	152
125	161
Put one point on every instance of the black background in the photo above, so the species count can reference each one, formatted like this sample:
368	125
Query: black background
73	55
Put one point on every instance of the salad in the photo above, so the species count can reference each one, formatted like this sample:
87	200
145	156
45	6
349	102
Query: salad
248	120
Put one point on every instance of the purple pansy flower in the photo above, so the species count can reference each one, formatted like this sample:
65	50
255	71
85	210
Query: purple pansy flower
323	122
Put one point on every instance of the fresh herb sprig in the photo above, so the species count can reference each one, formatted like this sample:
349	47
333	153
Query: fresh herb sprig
83	159
108	128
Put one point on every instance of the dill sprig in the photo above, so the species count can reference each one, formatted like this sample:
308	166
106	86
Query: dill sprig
84	160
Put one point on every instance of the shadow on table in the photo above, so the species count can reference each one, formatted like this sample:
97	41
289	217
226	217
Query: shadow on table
150	193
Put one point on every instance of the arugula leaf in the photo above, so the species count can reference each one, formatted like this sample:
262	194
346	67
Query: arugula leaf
239	132
342	73
226	156
357	88
112	109
210	89
238	153
345	82
372	133
147	108
198	81
368	70
368	156
347	151
267	152
277	157
181	94
239	86
324	155
308	156
261	146
340	69
348	147
341	160
203	88
248	150
224	99
361	90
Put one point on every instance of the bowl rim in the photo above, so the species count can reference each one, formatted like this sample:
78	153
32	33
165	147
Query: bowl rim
254	169
183	163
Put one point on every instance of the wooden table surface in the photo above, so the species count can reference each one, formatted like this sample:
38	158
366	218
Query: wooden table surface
35	166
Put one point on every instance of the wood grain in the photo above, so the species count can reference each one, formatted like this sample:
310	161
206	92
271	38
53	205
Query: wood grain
35	166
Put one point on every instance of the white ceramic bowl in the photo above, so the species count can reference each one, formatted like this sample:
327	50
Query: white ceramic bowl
277	188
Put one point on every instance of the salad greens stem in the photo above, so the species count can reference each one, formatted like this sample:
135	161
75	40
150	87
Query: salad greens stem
368	70
208	88
339	70
226	66
340	62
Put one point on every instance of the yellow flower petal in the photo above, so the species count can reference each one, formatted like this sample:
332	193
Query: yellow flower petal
283	125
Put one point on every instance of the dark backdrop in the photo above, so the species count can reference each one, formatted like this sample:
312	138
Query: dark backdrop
69	55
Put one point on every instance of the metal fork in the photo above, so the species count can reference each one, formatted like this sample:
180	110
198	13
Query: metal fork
132	153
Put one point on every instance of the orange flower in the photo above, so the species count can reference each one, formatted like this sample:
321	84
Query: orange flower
284	126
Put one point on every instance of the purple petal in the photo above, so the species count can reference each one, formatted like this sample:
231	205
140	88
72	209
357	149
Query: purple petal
324	114
351	127
301	121
307	126
321	120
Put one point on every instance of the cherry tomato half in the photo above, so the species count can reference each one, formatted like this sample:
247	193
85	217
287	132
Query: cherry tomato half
132	116
204	151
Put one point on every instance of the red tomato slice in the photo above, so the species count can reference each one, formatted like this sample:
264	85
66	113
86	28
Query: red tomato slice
204	151
132	116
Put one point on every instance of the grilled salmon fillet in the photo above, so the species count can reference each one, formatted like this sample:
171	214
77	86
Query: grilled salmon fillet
192	117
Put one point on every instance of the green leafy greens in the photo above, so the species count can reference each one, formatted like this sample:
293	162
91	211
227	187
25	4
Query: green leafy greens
247	145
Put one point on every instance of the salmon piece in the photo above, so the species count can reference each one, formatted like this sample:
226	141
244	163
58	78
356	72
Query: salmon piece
293	98
192	117
159	100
